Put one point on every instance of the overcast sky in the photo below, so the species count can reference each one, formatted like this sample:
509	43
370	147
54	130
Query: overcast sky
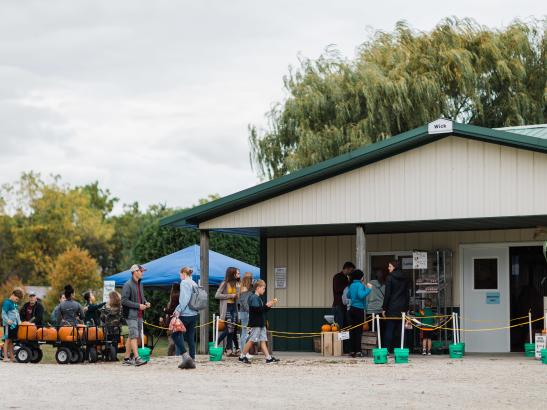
153	98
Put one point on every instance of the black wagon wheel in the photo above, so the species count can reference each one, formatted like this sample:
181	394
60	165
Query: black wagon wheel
62	356
74	355
92	354
37	355
23	354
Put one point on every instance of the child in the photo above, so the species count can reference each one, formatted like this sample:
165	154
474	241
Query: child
11	319
427	329
257	324
111	318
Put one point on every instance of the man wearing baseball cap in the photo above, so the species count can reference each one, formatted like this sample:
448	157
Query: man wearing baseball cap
32	311
134	304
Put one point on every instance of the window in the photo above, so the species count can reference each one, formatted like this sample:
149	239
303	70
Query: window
485	273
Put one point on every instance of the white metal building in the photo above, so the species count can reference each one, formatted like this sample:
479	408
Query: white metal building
479	192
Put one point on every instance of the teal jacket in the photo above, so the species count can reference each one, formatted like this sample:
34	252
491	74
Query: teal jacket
358	293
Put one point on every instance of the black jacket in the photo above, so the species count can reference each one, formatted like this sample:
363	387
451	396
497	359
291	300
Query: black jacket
396	298
37	316
257	311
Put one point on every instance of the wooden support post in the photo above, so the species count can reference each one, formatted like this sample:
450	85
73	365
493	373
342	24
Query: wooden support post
204	279
361	248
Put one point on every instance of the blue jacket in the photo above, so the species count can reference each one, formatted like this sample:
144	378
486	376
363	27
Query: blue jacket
358	294
186	288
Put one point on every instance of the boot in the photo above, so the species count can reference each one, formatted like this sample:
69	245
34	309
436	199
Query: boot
187	362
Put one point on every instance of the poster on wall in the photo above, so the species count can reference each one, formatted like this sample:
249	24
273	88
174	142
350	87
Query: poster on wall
108	286
280	278
419	260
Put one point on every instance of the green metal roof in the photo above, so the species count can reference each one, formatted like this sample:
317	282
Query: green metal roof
347	162
537	131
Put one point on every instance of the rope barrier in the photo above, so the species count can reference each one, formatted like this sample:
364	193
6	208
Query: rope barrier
488	329
166	328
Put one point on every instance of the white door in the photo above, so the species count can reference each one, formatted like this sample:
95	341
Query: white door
486	298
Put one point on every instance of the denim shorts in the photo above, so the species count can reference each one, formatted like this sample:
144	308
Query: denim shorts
258	334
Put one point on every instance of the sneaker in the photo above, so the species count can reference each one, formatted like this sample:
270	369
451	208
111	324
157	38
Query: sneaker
271	360
127	361
244	360
249	356
429	353
138	362
353	354
359	354
424	352
187	363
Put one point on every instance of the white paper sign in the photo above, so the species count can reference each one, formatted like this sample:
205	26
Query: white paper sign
343	335
541	343
439	126
280	278
108	286
419	260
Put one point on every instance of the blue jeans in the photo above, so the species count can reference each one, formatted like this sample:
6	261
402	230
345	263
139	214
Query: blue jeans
179	337
244	318
229	328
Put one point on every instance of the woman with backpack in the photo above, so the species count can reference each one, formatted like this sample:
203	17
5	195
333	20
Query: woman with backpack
228	293
188	317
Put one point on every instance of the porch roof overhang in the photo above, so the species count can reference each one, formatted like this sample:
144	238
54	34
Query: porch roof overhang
442	225
347	162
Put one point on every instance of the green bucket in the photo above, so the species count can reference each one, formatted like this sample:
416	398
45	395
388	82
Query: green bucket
211	345
380	356
455	351
529	349
463	348
544	356
437	346
144	353
401	355
215	354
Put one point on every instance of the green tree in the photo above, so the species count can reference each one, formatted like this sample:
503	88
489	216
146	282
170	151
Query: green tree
75	267
401	80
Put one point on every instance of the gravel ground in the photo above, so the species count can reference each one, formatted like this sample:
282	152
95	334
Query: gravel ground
298	381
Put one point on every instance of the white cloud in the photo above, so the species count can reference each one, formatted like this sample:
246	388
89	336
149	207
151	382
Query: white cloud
153	99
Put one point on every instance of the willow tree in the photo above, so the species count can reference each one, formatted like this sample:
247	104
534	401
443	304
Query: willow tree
401	80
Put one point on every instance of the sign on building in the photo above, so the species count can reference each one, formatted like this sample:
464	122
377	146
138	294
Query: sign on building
280	278
419	260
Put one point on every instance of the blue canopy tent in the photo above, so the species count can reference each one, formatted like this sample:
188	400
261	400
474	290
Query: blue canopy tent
165	270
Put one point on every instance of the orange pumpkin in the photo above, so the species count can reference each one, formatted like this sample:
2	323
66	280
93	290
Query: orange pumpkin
94	334
46	334
334	328
325	328
145	341
121	343
26	331
67	334
366	327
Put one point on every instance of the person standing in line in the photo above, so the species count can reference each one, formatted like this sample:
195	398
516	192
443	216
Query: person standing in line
257	323
56	314
111	319
169	310
357	294
246	292
375	299
228	293
339	282
11	320
396	301
70	311
134	304
188	316
32	311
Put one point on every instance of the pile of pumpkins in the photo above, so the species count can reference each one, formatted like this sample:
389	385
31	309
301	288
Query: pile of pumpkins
330	328
28	331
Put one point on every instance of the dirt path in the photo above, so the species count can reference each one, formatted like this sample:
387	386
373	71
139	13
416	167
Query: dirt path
431	382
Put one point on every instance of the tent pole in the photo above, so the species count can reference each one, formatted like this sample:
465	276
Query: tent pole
204	278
